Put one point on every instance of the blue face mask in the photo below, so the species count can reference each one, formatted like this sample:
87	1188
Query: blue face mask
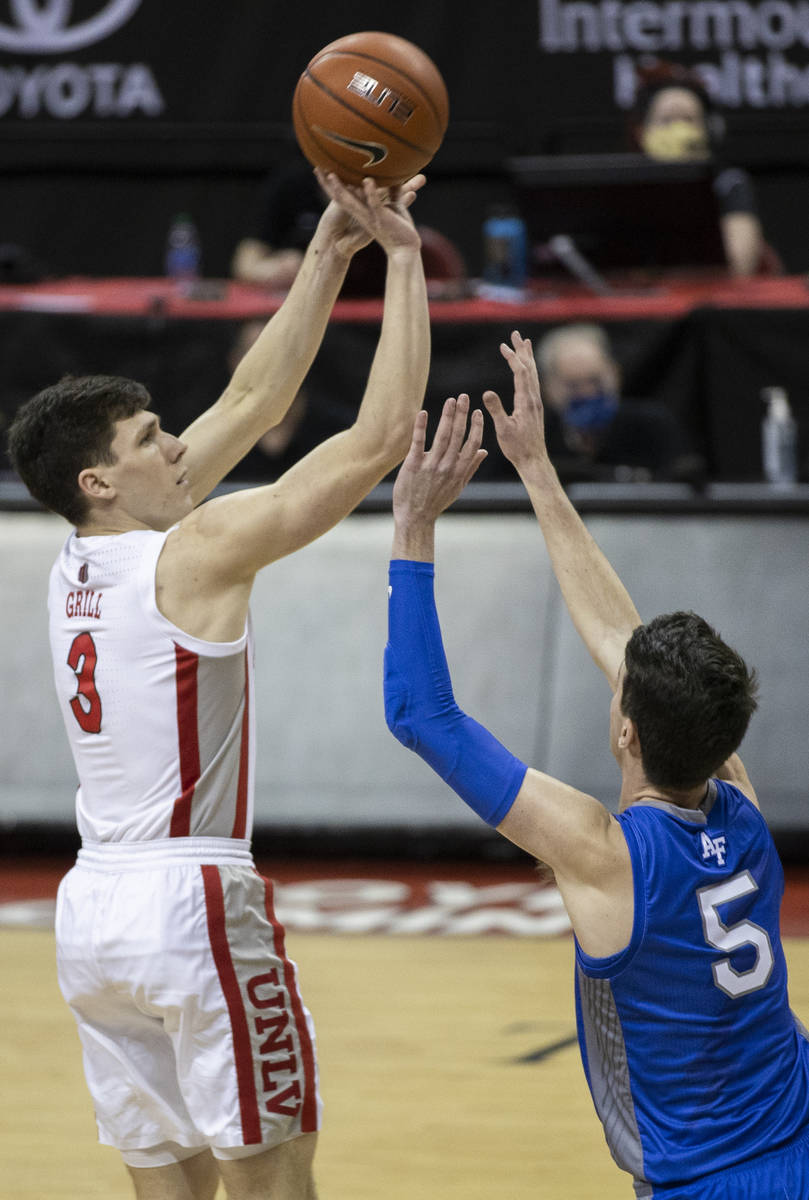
593	413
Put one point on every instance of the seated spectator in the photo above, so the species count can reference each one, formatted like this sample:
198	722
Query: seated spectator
674	120
591	431
289	207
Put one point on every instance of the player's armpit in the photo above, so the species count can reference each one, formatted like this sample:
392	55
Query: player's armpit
585	848
567	829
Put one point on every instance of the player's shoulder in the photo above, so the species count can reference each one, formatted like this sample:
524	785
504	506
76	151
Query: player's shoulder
202	561
734	774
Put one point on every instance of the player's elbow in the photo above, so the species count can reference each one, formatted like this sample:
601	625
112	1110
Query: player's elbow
402	730
397	716
383	440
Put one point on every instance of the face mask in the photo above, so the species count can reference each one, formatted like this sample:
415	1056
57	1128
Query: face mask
676	141
591	414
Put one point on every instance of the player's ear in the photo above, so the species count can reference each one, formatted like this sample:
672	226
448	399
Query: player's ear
94	484
628	736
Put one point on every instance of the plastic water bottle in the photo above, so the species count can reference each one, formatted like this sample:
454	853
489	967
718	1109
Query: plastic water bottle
779	439
505	254
183	252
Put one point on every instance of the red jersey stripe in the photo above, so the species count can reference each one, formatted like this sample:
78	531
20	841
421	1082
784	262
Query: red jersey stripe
240	819
186	667
217	933
309	1108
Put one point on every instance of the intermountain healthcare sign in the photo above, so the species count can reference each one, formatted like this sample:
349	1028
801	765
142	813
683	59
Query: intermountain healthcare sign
750	43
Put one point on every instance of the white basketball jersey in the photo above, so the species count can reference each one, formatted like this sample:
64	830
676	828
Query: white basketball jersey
159	722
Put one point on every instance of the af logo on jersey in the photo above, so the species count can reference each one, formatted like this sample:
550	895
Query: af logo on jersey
713	848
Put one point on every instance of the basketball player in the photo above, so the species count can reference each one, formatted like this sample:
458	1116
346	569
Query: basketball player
198	1050
698	1069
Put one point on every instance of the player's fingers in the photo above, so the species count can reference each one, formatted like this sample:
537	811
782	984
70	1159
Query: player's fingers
406	193
349	197
473	438
374	195
494	407
331	183
471	455
458	430
508	354
475	463
444	430
525	351
416	451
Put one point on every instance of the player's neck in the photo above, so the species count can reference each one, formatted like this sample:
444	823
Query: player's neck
109	525
635	791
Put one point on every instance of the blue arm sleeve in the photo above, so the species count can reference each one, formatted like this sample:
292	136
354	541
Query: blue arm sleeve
420	707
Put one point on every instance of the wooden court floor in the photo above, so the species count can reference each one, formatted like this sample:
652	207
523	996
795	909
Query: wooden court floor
448	1072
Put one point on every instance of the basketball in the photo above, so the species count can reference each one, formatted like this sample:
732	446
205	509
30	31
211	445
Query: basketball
370	104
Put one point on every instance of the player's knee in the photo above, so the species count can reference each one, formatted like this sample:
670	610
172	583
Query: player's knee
281	1173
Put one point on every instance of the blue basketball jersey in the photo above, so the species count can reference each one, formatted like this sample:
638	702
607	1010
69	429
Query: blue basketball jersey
694	1060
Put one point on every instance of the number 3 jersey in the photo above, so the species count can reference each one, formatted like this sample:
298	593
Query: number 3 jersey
159	722
694	1060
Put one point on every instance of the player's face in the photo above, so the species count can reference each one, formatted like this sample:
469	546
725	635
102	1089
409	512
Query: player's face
149	474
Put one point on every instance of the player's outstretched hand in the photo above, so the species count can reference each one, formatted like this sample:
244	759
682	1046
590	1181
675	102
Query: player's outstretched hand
520	434
430	480
362	213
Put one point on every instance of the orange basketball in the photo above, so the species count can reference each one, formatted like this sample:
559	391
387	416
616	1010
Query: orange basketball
370	104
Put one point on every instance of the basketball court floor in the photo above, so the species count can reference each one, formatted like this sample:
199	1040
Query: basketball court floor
443	1001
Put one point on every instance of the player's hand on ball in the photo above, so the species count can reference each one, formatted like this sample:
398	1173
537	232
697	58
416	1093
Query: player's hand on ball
406	192
368	211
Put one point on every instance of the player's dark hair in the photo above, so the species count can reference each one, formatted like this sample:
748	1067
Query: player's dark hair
65	428
690	696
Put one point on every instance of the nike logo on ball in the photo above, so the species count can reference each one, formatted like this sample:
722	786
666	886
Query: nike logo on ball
376	152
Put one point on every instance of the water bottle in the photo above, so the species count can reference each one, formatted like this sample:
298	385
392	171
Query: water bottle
505	253
779	439
183	253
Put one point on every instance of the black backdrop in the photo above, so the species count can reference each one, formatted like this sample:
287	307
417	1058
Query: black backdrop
709	367
114	114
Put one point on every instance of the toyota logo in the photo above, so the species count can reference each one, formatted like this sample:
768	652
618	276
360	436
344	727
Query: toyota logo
43	26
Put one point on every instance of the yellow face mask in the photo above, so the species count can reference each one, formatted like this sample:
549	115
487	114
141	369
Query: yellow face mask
675	141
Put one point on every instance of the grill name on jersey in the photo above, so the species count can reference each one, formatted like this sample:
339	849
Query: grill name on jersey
84	603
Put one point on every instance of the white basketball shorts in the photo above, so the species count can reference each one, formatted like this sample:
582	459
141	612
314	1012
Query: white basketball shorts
191	1022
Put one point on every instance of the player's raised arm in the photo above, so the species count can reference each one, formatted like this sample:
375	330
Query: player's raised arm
269	376
597	601
563	827
218	548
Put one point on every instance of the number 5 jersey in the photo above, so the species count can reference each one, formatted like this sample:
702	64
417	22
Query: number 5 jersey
159	722
695	1062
